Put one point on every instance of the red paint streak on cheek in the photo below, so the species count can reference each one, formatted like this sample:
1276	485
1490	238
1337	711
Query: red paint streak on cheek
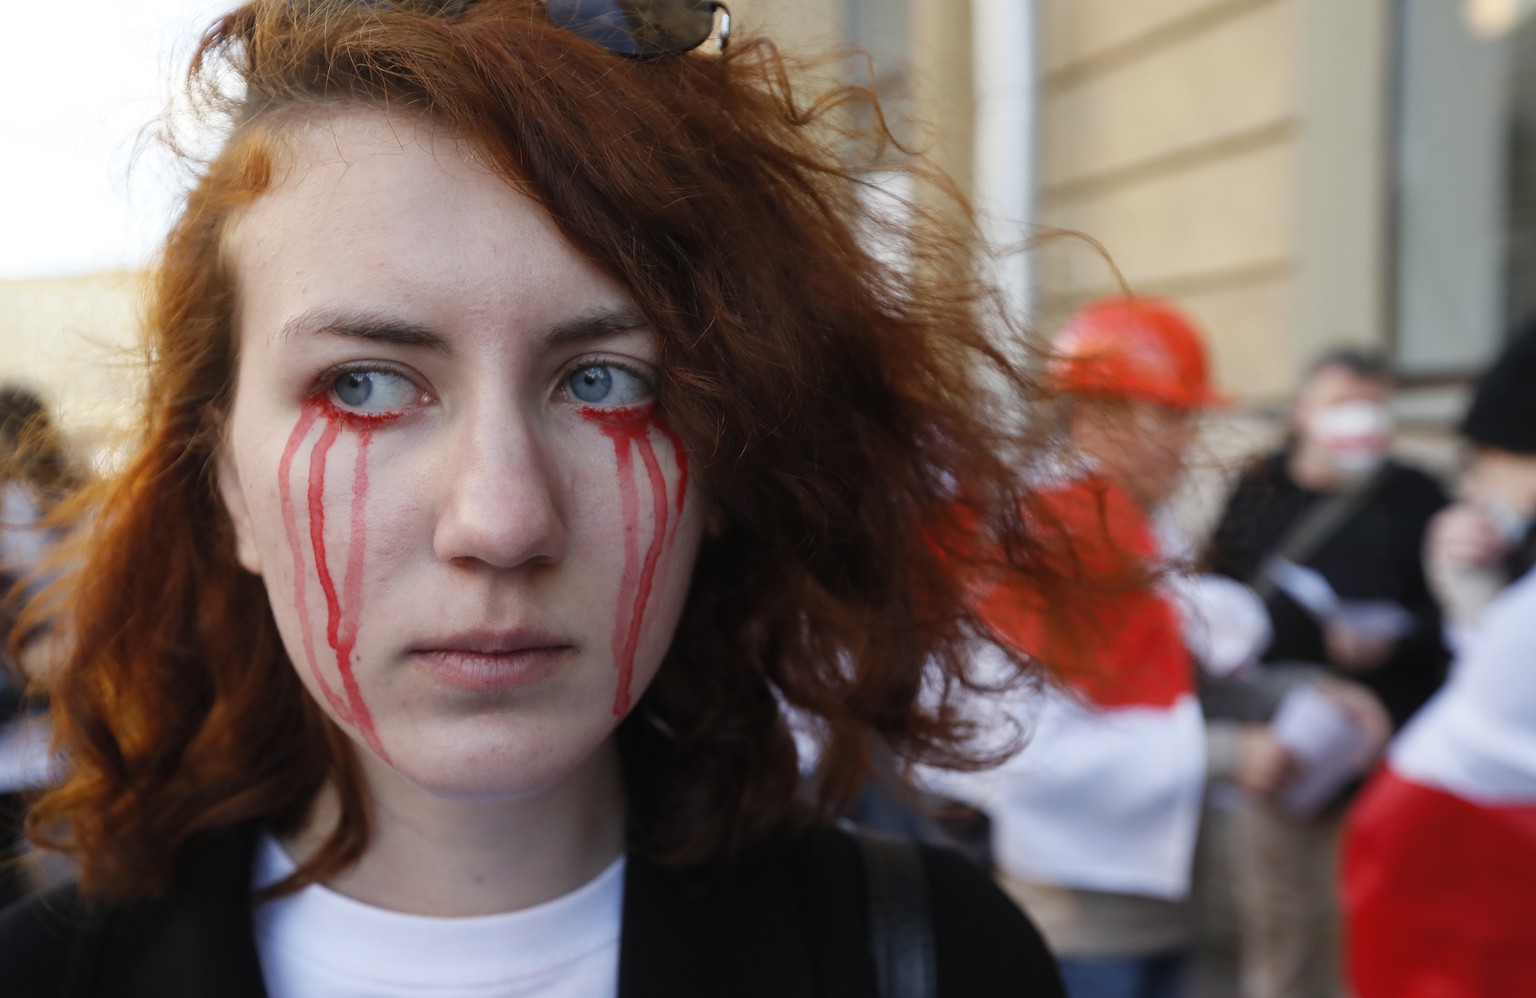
344	611
680	457
629	503
352	602
647	570
626	428
317	458
291	527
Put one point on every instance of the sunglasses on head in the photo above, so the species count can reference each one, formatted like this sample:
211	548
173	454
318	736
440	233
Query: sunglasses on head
639	29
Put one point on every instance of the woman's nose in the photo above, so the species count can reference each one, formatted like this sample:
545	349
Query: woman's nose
502	504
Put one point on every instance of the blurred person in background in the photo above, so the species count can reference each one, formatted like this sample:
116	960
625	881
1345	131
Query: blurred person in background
1485	540
1094	823
1328	531
1440	853
36	476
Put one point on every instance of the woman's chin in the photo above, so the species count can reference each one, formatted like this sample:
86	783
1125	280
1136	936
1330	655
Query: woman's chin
491	766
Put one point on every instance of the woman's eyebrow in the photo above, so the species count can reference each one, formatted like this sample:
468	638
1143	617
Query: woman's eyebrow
365	325
385	328
595	325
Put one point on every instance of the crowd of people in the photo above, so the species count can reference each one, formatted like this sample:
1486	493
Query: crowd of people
549	516
37	476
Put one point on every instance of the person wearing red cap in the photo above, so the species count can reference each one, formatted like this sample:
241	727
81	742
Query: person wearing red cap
1094	823
1437	868
1142	366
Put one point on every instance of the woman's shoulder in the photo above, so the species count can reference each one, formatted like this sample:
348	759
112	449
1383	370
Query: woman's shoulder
982	943
196	939
41	937
980	934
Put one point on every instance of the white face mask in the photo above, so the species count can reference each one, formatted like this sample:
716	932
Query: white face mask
1355	437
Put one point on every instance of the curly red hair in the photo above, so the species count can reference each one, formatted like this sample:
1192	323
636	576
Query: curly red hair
843	410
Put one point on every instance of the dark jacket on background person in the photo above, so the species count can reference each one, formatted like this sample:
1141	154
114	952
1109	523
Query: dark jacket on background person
790	921
1375	554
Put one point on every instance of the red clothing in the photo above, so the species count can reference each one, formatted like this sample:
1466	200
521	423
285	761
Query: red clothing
1439	892
1106	797
1126	648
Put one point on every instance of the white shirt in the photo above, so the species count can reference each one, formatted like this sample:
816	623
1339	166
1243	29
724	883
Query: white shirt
1098	799
1477	736
317	943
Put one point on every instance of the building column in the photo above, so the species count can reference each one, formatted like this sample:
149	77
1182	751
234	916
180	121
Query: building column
941	90
1004	85
1342	252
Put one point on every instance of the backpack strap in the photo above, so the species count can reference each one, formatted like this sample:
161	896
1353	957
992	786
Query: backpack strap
900	918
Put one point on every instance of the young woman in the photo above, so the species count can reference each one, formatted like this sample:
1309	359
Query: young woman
527	427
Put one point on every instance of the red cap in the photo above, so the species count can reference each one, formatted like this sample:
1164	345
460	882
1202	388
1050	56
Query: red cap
1134	348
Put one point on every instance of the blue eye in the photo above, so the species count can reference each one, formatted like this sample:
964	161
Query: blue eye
608	385
375	391
592	384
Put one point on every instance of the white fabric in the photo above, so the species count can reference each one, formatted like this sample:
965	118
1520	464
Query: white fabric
25	762
317	943
1224	623
1105	800
1330	745
1477	737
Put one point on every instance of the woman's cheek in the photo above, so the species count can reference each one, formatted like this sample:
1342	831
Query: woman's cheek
323	498
651	485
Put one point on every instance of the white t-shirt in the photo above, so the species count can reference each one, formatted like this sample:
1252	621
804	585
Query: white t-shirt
317	943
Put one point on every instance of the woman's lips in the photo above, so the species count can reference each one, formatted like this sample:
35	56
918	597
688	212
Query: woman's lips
491	666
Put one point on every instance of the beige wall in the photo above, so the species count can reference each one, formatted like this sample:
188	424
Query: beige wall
1342	248
808	26
74	339
1229	154
1171	134
941	87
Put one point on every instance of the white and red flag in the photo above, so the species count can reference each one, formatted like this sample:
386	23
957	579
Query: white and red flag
1106	795
1439	872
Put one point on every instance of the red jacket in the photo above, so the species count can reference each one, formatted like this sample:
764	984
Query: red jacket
1124	647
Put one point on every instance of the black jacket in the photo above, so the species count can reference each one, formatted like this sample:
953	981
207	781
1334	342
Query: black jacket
790	921
1375	554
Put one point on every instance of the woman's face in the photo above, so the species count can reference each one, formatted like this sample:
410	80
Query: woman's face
1141	446
444	459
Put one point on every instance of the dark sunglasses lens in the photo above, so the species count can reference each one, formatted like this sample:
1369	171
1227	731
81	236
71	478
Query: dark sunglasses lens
637	27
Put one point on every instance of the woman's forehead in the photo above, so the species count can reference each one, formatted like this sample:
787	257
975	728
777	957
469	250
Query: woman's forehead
382	214
380	159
